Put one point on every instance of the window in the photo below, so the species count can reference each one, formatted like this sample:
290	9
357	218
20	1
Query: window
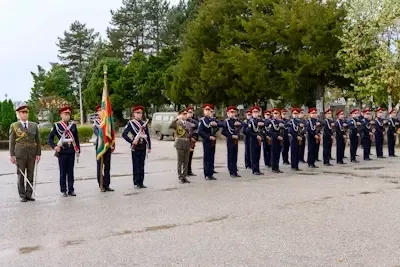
165	118
158	117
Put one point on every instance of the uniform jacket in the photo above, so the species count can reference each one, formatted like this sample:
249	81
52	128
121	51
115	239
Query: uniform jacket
182	138
133	129
57	131
24	143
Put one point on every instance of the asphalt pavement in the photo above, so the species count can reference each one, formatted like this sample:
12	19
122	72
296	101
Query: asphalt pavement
344	215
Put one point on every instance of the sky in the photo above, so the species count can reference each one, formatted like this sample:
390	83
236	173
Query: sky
29	31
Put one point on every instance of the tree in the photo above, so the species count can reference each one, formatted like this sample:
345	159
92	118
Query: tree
75	49
8	116
156	19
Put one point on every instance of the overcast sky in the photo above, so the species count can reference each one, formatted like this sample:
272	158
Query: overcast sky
29	31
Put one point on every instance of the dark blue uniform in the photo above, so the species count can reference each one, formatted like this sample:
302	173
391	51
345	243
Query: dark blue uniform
276	145
214	131
327	140
247	160
228	130
205	130
293	128
302	148
195	136
267	143
66	157
312	143
361	119
253	131
379	137
340	140
366	137
391	135
286	143
106	159
139	151
354	135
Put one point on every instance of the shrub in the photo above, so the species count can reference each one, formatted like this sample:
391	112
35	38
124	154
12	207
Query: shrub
84	132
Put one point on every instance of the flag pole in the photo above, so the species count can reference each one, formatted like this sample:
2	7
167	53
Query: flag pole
103	111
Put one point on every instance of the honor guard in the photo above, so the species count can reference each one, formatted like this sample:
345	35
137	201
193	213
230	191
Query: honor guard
340	127
267	139
231	131
276	132
392	132
327	137
140	144
366	133
295	138
254	131
66	149
106	156
247	161
313	137
303	131
182	144
25	151
214	131
193	136
206	131
380	123
354	136
286	141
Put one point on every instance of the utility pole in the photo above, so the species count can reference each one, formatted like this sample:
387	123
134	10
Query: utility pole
80	100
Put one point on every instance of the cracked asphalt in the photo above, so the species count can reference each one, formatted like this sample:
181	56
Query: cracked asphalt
332	216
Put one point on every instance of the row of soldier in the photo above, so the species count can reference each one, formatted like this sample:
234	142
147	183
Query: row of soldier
276	134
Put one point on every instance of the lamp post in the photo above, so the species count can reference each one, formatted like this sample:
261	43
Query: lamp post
80	100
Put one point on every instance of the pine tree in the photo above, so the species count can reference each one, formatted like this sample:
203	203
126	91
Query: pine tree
156	19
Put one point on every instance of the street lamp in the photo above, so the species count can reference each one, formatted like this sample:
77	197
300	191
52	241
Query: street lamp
80	100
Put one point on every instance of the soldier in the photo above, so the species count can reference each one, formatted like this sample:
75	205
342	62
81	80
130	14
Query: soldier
392	132
193	136
276	133
231	131
327	137
267	139
295	138
313	137
366	133
286	141
106	156
303	143
354	135
247	160
139	144
255	133
214	131
66	149
340	136
379	132
205	130
182	144
25	151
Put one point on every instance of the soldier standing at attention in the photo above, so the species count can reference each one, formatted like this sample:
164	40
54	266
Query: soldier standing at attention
391	132
140	143
354	135
295	139
194	138
66	149
247	161
312	135
286	141
267	139
340	136
327	137
25	151
254	131
303	143
276	132
379	132
231	131
106	156
214	131
205	130
182	144
366	133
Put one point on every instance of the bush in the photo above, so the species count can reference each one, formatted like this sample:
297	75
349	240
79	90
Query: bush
84	132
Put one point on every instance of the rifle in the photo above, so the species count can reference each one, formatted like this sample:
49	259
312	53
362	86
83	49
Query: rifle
236	131
281	131
318	129
139	135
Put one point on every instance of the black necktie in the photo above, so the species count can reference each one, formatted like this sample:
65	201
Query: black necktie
25	126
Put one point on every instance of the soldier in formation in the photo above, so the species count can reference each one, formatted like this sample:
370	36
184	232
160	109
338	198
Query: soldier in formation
254	131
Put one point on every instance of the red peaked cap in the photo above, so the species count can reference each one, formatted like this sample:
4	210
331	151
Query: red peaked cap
267	111
339	112
366	110
210	106
276	110
137	108
98	107
354	111
311	110
255	108
380	110
248	112
23	108
189	108
65	110
328	110
231	108
295	110
393	111
284	110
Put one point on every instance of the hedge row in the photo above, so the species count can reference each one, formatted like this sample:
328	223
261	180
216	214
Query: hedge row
85	134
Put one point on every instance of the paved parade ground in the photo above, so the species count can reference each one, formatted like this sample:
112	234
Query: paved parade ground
345	215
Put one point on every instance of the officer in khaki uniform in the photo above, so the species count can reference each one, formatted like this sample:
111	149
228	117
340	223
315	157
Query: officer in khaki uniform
25	151
182	144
